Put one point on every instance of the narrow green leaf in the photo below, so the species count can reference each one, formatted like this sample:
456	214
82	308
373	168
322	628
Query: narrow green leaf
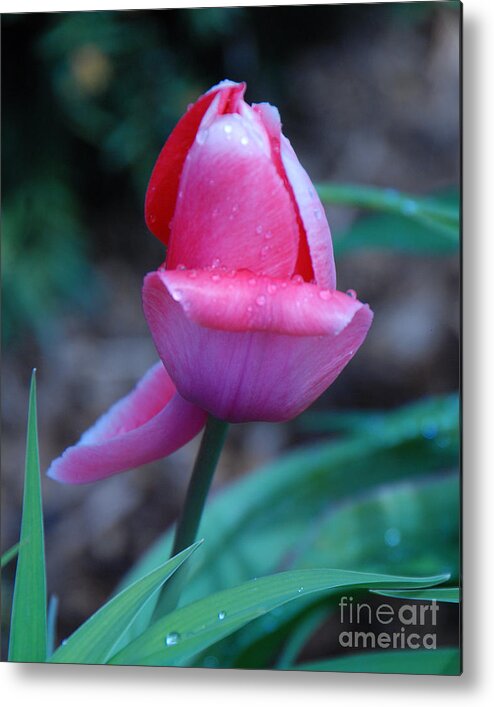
95	640
190	629
51	625
28	622
441	661
9	555
446	594
434	213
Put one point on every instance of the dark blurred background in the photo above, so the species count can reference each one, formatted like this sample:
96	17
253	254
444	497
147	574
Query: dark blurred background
368	94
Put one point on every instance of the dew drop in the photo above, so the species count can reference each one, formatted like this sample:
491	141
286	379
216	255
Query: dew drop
317	214
65	641
261	300
215	277
272	289
202	136
300	590
192	273
265	250
152	218
429	430
216	263
177	295
392	537
221	615
228	128
172	638
352	294
324	294
244	140
409	207
181	267
268	235
259	229
298	279
252	281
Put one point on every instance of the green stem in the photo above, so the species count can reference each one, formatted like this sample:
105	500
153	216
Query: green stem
195	499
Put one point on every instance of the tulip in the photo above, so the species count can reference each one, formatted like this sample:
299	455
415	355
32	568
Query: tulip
148	424
244	312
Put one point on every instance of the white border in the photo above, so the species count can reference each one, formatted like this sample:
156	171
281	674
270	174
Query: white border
78	685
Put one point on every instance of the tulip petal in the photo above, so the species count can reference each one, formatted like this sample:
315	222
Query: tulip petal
162	191
309	207
232	206
148	424
243	376
243	301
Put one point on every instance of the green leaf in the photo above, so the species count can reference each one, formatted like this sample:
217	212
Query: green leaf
397	233
9	555
441	661
267	514
439	215
96	639
446	594
186	631
28	621
392	529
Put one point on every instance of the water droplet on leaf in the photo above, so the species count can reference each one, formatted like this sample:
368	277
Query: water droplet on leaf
172	638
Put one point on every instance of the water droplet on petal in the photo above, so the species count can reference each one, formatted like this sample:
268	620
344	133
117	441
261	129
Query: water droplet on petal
252	281
272	288
317	214
297	279
244	140
181	267
216	263
227	128
202	136
265	250
325	294
258	229
177	295
221	615
172	638
268	235
65	641
152	218
352	294
261	300
192	273
215	277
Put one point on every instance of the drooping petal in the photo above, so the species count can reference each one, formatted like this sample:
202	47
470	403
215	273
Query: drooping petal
148	424
243	376
309	207
233	207
162	190
244	301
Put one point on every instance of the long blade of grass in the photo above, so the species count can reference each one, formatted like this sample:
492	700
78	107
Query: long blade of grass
28	620
9	555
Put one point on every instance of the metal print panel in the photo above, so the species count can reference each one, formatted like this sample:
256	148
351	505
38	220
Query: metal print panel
231	251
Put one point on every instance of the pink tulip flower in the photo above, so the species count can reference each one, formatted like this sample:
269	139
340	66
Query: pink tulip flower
148	424
244	313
